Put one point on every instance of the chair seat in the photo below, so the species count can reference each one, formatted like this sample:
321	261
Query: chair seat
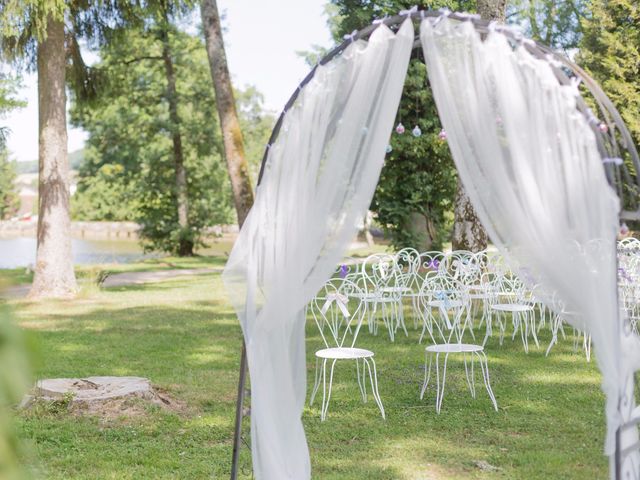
512	307
344	353
454	348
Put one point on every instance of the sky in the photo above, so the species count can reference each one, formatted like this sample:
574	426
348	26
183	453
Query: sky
261	41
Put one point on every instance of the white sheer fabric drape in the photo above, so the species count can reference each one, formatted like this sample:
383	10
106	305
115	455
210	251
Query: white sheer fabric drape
530	165
320	176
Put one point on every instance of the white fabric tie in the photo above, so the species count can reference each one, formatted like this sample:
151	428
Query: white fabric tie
340	300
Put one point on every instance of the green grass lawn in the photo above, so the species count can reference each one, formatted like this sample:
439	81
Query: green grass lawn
183	335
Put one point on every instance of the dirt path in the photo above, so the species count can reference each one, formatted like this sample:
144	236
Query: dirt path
124	279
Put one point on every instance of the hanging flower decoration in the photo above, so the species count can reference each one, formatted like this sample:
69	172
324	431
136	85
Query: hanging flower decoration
416	132
389	149
624	230
442	135
399	129
603	127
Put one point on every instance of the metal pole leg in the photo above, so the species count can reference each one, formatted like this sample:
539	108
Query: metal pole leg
237	434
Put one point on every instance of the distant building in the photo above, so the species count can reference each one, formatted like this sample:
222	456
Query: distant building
27	186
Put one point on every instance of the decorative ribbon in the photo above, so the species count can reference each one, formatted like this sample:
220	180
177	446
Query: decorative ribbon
340	300
409	11
614	160
351	36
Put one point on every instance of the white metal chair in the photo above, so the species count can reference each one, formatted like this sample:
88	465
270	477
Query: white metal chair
450	296
338	310
383	287
509	297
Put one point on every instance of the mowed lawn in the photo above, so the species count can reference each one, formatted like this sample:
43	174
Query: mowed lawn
183	335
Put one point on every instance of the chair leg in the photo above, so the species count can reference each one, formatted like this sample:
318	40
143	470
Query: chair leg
532	320
444	378
427	373
470	381
316	384
484	365
361	384
374	385
326	396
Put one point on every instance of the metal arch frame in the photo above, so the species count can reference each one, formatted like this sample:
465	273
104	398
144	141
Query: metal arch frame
565	70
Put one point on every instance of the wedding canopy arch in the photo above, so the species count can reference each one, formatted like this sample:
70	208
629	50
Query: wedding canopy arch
549	177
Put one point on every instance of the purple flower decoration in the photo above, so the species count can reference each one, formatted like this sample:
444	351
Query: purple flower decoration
433	264
399	129
442	135
343	270
603	127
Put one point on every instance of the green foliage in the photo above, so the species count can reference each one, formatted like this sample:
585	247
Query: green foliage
9	199
256	124
554	23
417	185
415	195
128	158
128	171
14	379
105	196
610	52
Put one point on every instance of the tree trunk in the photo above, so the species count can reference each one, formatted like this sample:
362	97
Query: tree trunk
226	105
185	247
468	232
54	276
492	9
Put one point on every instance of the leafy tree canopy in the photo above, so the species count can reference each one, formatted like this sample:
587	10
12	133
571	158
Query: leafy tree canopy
128	171
414	198
610	52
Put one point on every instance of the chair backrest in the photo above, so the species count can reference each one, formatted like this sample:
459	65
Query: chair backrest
408	262
338	312
453	297
381	274
508	290
430	262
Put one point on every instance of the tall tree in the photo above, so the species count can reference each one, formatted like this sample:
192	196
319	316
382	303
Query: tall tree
186	243
237	164
468	232
54	275
129	169
34	33
610	52
231	133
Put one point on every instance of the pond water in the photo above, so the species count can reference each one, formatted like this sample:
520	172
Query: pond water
21	251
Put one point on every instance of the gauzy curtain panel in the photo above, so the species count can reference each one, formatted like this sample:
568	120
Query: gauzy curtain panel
318	182
530	164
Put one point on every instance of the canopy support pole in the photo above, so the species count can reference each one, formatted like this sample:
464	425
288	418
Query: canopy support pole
237	434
